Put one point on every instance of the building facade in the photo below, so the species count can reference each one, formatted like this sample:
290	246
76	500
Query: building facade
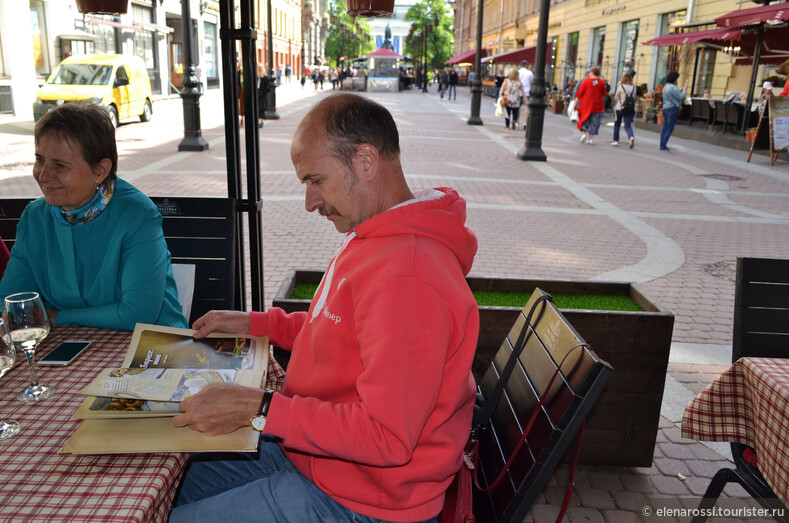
35	35
609	33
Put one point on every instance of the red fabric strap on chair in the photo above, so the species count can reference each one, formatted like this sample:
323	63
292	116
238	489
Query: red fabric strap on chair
471	457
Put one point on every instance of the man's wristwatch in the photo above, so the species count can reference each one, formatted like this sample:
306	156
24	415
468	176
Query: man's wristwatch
259	421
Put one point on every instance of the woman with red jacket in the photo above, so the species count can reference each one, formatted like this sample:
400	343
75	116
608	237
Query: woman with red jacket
590	105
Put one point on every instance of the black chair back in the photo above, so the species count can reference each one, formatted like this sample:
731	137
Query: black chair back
761	308
572	395
202	231
10	212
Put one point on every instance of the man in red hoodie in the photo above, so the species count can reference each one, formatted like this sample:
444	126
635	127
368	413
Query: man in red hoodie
377	401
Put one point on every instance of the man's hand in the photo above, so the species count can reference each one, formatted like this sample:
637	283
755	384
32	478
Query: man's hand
231	322
219	408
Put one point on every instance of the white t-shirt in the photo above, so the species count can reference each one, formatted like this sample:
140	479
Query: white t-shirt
526	77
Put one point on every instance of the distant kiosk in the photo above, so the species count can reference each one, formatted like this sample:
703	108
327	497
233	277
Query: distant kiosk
383	70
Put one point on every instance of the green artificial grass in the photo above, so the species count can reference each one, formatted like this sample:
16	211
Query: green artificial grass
597	302
304	291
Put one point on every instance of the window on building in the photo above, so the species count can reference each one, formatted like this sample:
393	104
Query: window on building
105	42
627	47
598	46
702	76
2	65
550	67
40	55
571	62
668	57
211	55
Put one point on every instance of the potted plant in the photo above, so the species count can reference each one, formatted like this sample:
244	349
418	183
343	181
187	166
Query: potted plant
659	116
750	134
622	428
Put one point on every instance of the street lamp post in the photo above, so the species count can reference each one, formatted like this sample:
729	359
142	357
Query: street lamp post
532	150
476	85
193	135
271	97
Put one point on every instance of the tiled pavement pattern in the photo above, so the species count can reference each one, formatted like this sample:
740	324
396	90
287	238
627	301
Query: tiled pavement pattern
674	222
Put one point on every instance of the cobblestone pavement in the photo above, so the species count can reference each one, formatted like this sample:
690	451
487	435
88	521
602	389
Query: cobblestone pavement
674	222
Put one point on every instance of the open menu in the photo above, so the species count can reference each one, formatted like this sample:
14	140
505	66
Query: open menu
128	409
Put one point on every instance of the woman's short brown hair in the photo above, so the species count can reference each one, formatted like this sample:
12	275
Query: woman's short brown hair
595	70
88	125
626	79
514	75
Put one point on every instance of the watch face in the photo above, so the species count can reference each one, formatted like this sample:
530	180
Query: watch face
258	423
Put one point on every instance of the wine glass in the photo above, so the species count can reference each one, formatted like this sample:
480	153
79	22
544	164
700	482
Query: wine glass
7	359
28	323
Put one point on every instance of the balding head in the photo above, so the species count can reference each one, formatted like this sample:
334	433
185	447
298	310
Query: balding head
346	153
349	120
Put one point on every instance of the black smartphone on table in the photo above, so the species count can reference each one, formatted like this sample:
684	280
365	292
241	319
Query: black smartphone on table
65	353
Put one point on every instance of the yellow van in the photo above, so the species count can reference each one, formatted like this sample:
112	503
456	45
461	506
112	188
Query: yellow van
117	82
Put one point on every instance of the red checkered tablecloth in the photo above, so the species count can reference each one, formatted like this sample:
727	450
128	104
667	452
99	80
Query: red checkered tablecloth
38	484
748	404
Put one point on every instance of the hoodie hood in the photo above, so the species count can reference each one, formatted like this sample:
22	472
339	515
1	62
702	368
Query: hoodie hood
439	214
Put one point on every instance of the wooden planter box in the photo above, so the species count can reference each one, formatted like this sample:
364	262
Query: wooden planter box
622	428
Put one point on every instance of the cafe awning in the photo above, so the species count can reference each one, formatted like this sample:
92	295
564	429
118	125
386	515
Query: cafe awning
467	57
718	35
514	57
756	15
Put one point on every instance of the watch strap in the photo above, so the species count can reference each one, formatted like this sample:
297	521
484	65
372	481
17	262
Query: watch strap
265	402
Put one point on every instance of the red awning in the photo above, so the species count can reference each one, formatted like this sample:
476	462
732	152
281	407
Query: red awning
526	53
102	21
775	48
383	53
160	28
720	35
755	15
468	56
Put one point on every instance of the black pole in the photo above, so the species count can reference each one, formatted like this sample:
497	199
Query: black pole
749	100
476	85
271	97
532	150
193	135
423	48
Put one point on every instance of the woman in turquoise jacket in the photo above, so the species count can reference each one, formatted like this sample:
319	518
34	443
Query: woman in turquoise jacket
93	246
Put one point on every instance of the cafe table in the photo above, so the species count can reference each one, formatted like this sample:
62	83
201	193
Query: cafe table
39	484
748	404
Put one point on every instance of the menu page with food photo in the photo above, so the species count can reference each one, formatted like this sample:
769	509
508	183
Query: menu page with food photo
165	365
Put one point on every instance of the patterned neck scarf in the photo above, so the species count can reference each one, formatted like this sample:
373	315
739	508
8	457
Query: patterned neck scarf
87	212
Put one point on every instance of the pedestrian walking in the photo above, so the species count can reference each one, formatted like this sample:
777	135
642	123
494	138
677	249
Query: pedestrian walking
288	72
453	85
625	109
590	105
444	82
526	77
279	75
512	91
263	87
673	97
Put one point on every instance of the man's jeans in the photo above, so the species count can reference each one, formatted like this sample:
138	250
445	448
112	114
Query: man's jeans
262	486
452	89
669	121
